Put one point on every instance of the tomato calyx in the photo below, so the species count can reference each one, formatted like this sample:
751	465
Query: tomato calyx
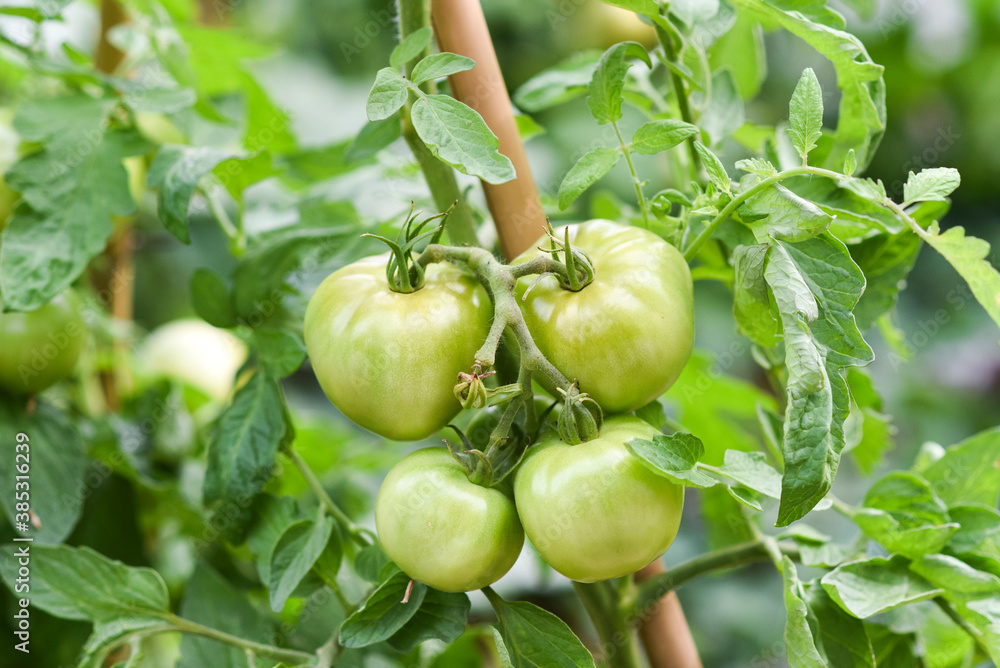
507	445
581	418
472	392
402	272
579	267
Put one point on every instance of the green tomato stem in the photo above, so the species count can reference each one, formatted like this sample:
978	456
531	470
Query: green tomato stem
603	605
651	591
635	176
356	533
291	656
440	177
974	633
670	53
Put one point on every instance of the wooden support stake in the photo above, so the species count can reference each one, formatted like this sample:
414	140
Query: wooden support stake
460	27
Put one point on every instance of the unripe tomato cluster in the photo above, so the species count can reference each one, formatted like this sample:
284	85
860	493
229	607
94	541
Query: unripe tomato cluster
592	510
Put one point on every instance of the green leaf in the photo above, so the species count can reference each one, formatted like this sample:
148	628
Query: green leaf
969	473
931	184
800	645
873	191
716	172
587	171
751	304
176	172
788	217
248	434
985	615
815	285
211	601
868	432
561	83
955	576
850	163
869	587
384	612
440	65
527	127
211	300
968	256
862	102
330	558
239	173
605	99
275	517
71	188
902	538
886	260
373	137
78	583
458	135
751	470
674	457
892	649
107	636
724	114
534	637
372	564
757	166
660	135
842	639
806	114
58	469
441	616
977	541
282	351
411	46
388	94
293	557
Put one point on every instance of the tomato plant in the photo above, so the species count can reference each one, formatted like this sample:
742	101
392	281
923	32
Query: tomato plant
207	469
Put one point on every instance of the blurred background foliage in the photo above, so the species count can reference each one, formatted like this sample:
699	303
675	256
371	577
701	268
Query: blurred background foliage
942	60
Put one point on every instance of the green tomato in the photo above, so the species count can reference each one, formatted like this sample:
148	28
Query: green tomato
443	530
595	511
390	360
41	347
626	336
196	353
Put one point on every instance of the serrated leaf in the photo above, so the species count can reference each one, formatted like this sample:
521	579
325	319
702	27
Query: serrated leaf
440	65
660	135
411	46
533	637
211	299
842	639
605	98
751	304
388	94
757	166
242	453
716	171
458	135
293	557
931	184
787	216
873	191
674	457
79	583
176	172
968	256
806	114
869	587
384	613
751	470
587	171
955	576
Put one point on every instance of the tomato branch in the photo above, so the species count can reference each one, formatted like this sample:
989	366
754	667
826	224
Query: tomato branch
356	533
652	590
601	599
291	656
